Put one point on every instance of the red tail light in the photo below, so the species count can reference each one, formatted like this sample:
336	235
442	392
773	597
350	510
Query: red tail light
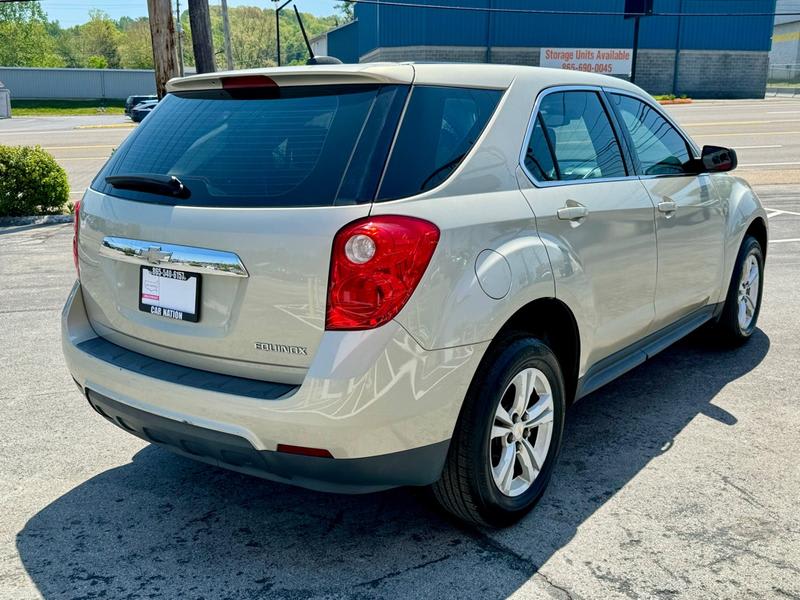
76	229
376	264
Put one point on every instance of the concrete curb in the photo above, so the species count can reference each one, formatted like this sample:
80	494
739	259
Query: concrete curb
35	220
792	91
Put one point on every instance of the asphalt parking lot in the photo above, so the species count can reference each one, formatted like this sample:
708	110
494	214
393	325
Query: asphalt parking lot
679	480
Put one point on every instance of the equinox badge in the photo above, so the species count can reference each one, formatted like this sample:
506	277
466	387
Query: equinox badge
282	348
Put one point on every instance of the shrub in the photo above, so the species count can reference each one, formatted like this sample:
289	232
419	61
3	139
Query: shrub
31	182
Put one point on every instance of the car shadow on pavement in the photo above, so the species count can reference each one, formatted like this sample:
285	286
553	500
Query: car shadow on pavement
164	526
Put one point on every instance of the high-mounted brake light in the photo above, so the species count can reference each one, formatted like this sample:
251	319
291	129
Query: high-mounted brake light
239	82
251	87
376	265
75	231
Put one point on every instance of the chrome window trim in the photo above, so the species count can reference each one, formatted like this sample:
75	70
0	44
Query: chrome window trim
532	123
182	258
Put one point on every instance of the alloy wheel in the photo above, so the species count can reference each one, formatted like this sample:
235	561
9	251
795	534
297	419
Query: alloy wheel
521	432
748	292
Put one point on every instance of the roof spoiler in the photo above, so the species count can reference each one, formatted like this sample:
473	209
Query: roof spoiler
321	73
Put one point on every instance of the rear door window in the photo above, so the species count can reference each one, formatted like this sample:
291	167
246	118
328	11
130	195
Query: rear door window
308	146
440	126
573	139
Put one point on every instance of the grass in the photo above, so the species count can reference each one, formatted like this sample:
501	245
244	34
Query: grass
661	97
42	108
788	84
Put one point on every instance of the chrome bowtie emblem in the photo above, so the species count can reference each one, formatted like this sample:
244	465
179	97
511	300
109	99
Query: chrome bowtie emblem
154	255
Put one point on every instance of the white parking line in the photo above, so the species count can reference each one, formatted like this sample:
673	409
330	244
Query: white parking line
772	164
765	122
784	241
771	212
737	133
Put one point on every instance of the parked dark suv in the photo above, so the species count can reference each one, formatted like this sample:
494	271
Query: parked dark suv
134	100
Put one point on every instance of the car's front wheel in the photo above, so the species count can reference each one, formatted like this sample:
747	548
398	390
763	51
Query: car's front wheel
508	435
743	303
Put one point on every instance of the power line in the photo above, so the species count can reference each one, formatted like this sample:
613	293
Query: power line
585	13
529	11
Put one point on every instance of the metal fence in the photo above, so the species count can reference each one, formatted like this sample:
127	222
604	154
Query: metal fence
783	74
29	83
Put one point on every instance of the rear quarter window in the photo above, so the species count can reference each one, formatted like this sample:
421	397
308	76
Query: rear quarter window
440	126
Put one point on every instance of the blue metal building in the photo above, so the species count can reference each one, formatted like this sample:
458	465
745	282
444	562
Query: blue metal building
701	56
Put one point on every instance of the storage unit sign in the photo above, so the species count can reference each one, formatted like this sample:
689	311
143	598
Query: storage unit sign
609	61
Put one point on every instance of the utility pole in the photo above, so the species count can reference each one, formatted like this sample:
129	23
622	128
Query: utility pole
162	32
636	22
226	30
278	10
636	9
676	64
179	31
202	43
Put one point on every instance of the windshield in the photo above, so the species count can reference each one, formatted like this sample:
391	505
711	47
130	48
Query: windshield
310	146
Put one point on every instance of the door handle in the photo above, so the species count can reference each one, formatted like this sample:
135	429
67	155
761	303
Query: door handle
668	207
572	212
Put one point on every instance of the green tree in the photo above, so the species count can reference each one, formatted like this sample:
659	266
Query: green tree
345	10
100	37
26	41
253	36
97	62
135	48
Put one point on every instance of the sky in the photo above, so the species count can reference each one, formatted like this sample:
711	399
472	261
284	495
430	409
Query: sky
74	12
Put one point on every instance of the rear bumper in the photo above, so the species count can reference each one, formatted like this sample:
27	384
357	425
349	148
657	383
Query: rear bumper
380	404
419	466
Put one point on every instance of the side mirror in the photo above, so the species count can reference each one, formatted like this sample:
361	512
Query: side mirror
716	159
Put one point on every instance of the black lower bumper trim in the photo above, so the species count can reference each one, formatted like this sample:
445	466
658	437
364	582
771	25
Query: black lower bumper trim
418	466
173	373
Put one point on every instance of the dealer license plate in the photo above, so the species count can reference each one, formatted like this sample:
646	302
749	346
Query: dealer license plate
169	293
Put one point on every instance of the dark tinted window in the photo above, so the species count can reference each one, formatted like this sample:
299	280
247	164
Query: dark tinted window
440	126
309	146
660	148
539	157
580	133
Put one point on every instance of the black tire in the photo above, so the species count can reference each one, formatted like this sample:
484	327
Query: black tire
728	327
467	488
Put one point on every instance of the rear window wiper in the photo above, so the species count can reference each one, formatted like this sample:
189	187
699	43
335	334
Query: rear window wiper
164	185
451	164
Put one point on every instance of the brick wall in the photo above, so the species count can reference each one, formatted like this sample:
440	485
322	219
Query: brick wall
701	73
709	74
655	70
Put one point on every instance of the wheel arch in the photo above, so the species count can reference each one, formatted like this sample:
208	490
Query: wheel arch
552	321
758	229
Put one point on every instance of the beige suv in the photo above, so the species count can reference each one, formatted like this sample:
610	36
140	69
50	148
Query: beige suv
356	277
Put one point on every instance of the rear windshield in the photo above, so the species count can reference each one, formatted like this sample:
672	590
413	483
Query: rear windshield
309	146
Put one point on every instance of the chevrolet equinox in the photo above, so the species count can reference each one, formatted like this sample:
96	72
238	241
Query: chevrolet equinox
356	277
